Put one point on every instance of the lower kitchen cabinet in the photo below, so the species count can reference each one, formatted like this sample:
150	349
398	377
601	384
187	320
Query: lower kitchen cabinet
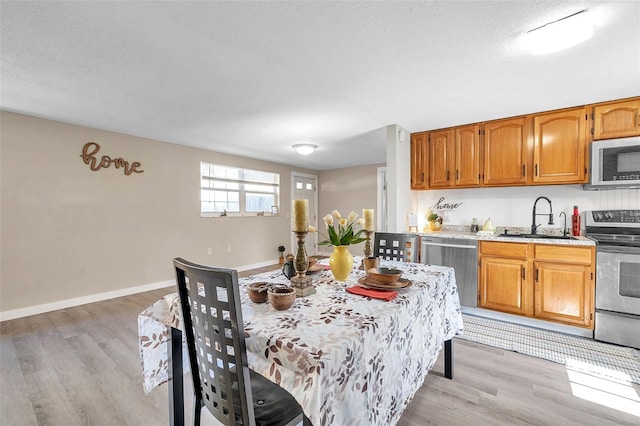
543	281
563	283
503	283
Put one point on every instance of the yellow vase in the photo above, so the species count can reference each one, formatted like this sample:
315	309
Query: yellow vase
434	225
341	262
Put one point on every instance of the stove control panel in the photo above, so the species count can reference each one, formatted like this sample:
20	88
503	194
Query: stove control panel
613	218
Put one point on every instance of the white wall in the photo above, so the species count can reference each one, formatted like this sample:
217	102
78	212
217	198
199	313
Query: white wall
354	188
399	199
512	206
73	234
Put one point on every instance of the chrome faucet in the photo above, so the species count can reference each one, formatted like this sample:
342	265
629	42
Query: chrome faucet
534	227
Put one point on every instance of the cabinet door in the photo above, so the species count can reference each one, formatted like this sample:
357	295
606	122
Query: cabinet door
503	285
440	158
562	293
506	152
419	151
467	159
559	147
616	119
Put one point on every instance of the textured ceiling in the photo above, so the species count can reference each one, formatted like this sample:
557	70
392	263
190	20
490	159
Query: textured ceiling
254	78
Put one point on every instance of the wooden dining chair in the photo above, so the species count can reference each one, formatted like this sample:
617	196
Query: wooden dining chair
222	380
395	246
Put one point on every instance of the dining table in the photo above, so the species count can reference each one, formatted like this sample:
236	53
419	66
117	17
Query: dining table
347	358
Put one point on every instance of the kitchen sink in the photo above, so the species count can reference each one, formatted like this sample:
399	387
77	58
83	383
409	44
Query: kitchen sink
539	236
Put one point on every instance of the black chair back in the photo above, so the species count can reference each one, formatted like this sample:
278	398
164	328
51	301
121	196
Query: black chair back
394	246
210	302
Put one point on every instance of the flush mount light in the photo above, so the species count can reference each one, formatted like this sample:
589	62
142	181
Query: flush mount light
304	148
560	34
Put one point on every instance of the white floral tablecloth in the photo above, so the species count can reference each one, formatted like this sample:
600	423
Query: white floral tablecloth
347	359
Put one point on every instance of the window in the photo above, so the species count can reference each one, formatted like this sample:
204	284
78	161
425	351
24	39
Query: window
237	191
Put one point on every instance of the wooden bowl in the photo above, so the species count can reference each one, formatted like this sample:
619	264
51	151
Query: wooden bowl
258	292
384	275
281	297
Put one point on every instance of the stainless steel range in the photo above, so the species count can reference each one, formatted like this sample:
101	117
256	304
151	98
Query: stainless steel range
617	234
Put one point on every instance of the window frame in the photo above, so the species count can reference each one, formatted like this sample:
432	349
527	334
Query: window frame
242	191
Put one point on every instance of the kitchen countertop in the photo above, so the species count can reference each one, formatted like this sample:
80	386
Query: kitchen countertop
446	233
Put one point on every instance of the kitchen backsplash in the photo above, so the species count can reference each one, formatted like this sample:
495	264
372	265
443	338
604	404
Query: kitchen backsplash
513	206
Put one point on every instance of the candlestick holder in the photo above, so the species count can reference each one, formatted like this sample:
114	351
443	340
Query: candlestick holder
301	282
368	250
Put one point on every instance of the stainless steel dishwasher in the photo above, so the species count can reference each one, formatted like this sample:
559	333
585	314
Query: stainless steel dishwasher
460	254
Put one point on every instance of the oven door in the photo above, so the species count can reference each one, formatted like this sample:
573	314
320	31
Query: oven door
618	296
618	279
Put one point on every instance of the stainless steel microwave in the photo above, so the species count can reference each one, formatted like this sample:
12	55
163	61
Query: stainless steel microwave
615	164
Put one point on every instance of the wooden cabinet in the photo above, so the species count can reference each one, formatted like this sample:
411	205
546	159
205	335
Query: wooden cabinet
560	147
564	286
506	152
503	278
441	158
419	160
548	282
454	157
616	119
467	156
548	148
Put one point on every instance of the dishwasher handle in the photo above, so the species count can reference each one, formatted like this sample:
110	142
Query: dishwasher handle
449	245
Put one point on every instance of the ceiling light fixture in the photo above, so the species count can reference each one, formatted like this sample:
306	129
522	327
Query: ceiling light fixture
560	34
304	148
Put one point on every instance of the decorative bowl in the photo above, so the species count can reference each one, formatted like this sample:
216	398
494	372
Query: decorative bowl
281	297
258	292
384	275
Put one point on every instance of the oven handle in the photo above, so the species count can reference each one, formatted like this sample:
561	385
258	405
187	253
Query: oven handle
618	249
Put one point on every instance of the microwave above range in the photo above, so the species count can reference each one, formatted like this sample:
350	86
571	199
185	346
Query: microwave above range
615	164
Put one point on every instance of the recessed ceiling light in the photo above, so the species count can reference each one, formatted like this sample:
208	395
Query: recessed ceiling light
560	34
304	148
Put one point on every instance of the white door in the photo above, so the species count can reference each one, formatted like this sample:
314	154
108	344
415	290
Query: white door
305	186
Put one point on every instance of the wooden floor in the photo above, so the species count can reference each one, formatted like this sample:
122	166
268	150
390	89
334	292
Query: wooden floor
80	366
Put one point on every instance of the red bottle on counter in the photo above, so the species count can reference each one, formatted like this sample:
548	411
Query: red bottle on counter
575	222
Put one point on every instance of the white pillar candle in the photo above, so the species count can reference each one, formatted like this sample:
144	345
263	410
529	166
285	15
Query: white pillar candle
367	214
300	215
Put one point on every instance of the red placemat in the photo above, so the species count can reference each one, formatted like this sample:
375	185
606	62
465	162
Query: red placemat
375	294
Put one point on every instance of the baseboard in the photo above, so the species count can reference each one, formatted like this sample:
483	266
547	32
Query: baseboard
98	297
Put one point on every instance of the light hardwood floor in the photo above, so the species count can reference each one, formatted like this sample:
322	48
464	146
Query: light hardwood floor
80	366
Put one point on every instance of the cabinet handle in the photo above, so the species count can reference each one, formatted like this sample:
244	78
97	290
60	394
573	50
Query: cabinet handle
422	177
523	273
536	274
447	175
535	170
524	170
457	174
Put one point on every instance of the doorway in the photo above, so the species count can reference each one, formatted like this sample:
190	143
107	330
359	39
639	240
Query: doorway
381	224
306	186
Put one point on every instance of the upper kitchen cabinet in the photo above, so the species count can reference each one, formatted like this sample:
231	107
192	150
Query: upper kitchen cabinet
419	160
441	158
616	119
454	157
467	157
506	151
559	147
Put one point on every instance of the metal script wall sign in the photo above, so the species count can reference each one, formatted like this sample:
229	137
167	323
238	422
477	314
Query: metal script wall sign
441	205
89	151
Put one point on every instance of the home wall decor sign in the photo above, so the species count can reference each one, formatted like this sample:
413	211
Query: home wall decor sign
89	151
441	205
